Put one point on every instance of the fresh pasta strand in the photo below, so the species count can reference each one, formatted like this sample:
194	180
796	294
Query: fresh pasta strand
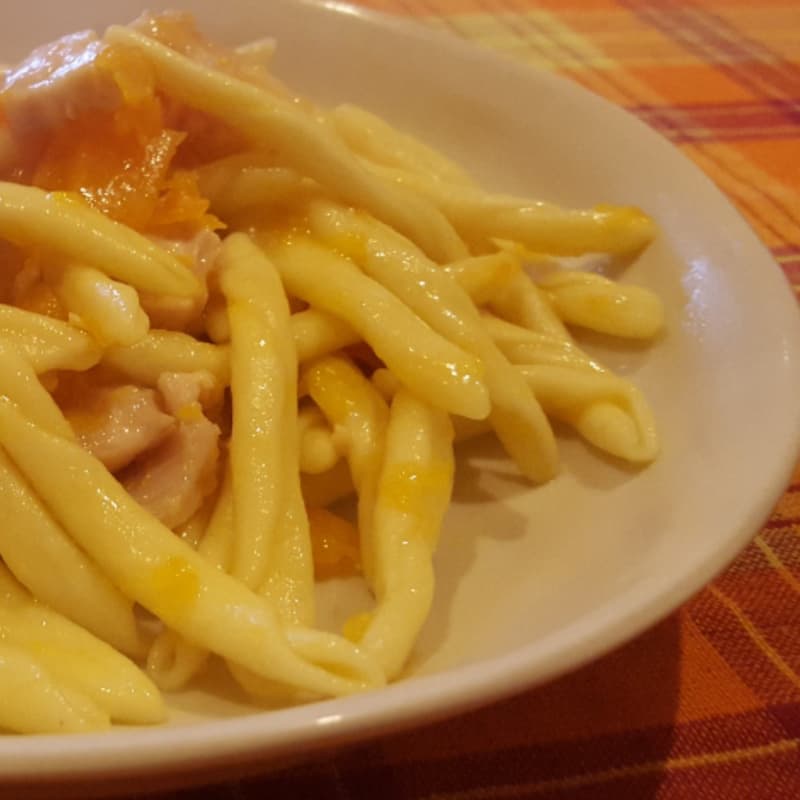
352	404
317	333
264	376
374	138
167	351
259	317
108	309
67	226
36	548
45	559
302	141
448	377
19	382
47	343
76	658
606	410
288	585
413	493
236	184
217	543
34	702
595	302
172	660
523	346
438	299
482	277
481	217
165	575
522	302
318	449
360	305
289	581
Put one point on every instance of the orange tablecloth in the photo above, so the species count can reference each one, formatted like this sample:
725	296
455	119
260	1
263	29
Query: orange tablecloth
707	704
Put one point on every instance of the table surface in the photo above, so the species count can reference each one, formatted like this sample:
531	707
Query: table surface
706	704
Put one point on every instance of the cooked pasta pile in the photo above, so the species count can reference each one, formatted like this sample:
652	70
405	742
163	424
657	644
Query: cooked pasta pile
223	310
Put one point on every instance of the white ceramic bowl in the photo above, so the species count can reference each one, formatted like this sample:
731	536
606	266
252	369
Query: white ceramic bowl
531	582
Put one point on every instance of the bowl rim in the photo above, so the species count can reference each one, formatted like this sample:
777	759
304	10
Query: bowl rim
428	698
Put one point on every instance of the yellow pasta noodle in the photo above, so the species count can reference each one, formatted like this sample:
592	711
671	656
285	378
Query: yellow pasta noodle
237	183
484	276
449	377
317	333
168	577
271	121
244	310
36	548
167	351
263	375
370	136
35	702
541	227
592	301
352	403
108	309
172	660
73	230
45	559
318	448
76	658
524	346
47	343
522	302
438	299
413	493
605	409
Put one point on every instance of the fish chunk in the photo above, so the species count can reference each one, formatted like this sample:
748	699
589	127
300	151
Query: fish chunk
117	424
180	313
172	480
56	82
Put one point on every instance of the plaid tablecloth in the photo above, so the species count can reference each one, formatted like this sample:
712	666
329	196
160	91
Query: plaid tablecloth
707	704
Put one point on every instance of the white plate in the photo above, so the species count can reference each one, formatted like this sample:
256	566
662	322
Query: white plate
532	582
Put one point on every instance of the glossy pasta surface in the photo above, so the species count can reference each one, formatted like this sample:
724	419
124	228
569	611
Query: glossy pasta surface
223	310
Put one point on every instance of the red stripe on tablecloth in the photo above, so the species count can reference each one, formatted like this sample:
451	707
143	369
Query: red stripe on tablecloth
662	118
730	57
789	260
742	42
701	37
519	26
778	524
773	776
719	619
769	119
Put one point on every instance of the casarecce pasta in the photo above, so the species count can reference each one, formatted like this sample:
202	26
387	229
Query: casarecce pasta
223	309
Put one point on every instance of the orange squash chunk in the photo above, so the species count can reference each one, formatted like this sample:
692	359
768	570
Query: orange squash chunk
334	545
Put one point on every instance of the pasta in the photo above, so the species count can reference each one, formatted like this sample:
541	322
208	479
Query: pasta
224	309
412	495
